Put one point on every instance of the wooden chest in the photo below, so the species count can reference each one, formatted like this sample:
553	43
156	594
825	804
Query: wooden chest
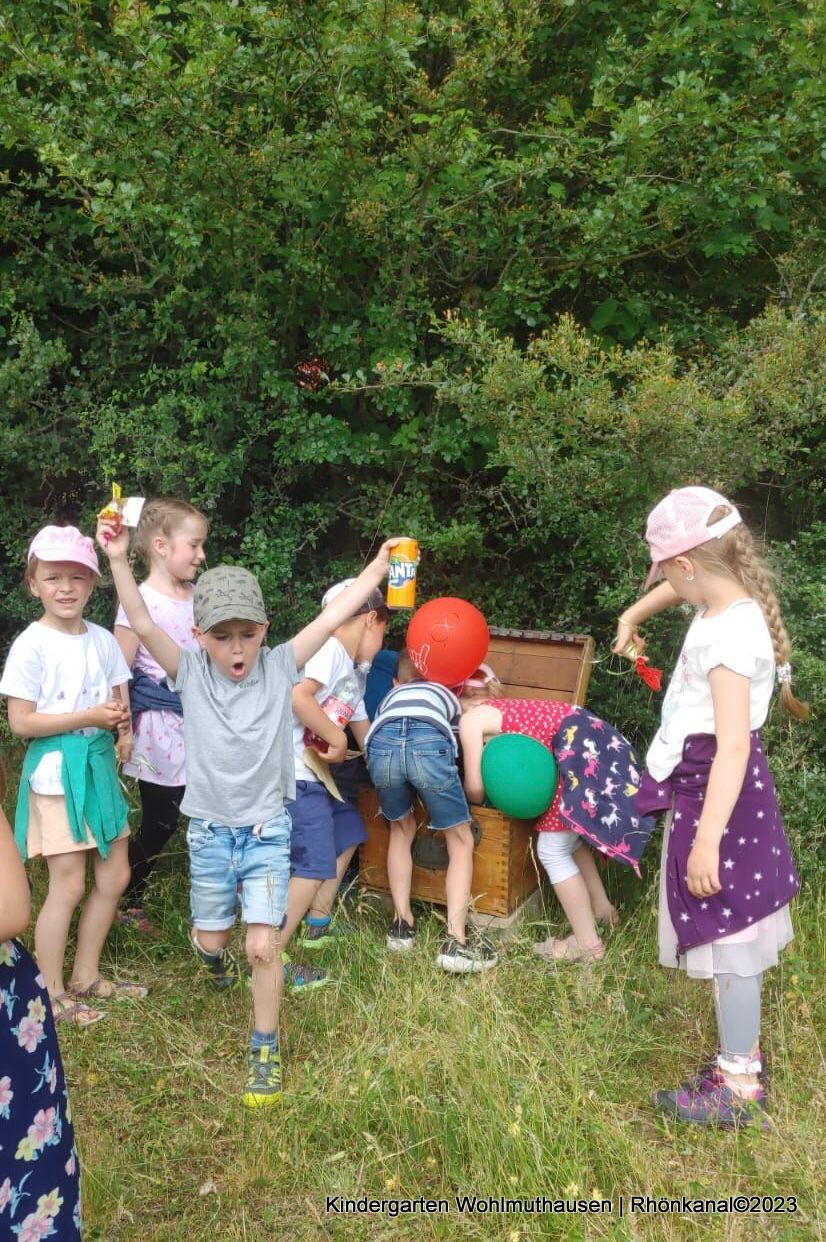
531	664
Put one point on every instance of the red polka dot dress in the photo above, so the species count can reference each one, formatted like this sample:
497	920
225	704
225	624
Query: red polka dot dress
539	719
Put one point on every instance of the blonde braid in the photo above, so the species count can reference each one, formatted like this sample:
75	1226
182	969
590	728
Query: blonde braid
736	555
757	580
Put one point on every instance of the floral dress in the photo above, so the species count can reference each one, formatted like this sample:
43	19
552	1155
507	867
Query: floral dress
39	1179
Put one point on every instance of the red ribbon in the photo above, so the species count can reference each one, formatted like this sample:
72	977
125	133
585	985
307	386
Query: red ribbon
653	677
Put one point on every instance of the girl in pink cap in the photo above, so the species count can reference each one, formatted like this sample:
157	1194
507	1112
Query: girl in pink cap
66	681
727	873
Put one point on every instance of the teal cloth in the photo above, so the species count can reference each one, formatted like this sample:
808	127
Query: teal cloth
90	785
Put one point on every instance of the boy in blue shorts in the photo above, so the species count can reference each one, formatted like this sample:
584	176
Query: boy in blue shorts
411	748
236	696
327	832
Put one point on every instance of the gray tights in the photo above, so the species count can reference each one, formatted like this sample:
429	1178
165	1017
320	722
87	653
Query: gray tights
737	1006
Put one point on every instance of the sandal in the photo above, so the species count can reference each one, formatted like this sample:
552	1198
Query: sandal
108	989
136	919
569	950
76	1013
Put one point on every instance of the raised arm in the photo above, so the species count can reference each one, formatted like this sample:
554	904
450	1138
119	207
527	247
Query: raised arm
663	596
116	545
313	637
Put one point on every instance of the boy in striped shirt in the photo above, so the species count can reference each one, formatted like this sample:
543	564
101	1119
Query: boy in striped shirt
412	749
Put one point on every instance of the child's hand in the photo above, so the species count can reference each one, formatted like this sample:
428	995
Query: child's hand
627	633
109	715
112	537
123	746
336	753
703	869
382	561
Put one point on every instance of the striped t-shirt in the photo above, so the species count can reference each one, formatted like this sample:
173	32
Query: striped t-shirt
421	700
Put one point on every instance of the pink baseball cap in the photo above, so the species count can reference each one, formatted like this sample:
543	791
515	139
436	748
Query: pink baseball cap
482	677
680	522
64	543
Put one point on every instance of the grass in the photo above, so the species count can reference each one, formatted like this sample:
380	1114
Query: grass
403	1082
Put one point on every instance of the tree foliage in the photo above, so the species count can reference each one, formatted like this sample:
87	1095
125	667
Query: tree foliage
551	257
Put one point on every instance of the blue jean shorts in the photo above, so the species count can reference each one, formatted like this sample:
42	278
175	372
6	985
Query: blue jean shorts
221	859
408	757
323	828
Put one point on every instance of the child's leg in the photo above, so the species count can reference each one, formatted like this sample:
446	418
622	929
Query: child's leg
67	882
159	820
400	865
300	897
263	946
737	1006
111	878
600	903
322	903
348	834
459	878
556	851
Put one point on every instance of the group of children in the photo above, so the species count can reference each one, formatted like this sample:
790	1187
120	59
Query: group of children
216	728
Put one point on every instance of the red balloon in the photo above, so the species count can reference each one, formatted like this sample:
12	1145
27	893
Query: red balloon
447	640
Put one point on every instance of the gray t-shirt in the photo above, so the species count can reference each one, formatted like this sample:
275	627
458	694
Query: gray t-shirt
239	747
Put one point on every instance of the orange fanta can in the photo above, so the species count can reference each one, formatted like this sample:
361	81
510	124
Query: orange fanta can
401	578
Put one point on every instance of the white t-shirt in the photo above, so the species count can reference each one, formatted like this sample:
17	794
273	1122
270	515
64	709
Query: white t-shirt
739	639
327	666
62	673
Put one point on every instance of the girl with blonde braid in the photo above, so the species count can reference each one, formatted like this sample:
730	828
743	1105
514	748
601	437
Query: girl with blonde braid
727	875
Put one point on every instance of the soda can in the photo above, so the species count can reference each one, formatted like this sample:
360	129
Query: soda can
401	579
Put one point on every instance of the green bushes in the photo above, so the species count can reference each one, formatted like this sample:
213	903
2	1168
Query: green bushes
552	259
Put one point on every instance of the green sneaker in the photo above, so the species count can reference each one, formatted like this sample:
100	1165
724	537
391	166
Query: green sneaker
263	1077
315	937
223	966
300	978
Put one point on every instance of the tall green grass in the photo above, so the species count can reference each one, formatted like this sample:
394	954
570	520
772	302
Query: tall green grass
401	1081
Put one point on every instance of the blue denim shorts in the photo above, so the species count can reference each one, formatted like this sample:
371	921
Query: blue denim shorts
221	859
408	757
323	828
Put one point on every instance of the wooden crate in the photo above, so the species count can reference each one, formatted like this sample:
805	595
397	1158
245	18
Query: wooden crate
531	664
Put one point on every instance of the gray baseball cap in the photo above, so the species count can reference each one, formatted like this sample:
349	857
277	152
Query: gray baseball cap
227	593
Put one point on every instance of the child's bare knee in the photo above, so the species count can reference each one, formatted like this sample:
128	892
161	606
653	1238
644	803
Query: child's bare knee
72	889
262	945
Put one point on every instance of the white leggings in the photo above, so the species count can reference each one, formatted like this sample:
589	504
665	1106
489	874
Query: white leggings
556	851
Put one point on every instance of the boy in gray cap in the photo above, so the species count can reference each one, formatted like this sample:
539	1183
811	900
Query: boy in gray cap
236	696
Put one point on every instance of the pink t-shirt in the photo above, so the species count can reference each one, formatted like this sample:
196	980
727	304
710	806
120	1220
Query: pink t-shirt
159	756
539	719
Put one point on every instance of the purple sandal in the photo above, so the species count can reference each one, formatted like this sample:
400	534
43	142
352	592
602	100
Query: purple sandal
710	1102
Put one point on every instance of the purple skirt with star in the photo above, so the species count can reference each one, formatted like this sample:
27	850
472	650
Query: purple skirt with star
757	872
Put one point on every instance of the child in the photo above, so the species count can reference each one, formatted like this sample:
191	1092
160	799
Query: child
411	749
40	1196
170	541
727	876
66	681
236	698
326	832
594	800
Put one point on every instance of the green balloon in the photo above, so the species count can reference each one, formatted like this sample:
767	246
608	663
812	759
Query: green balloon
519	775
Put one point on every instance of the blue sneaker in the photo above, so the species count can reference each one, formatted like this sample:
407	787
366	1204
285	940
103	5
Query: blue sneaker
301	978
